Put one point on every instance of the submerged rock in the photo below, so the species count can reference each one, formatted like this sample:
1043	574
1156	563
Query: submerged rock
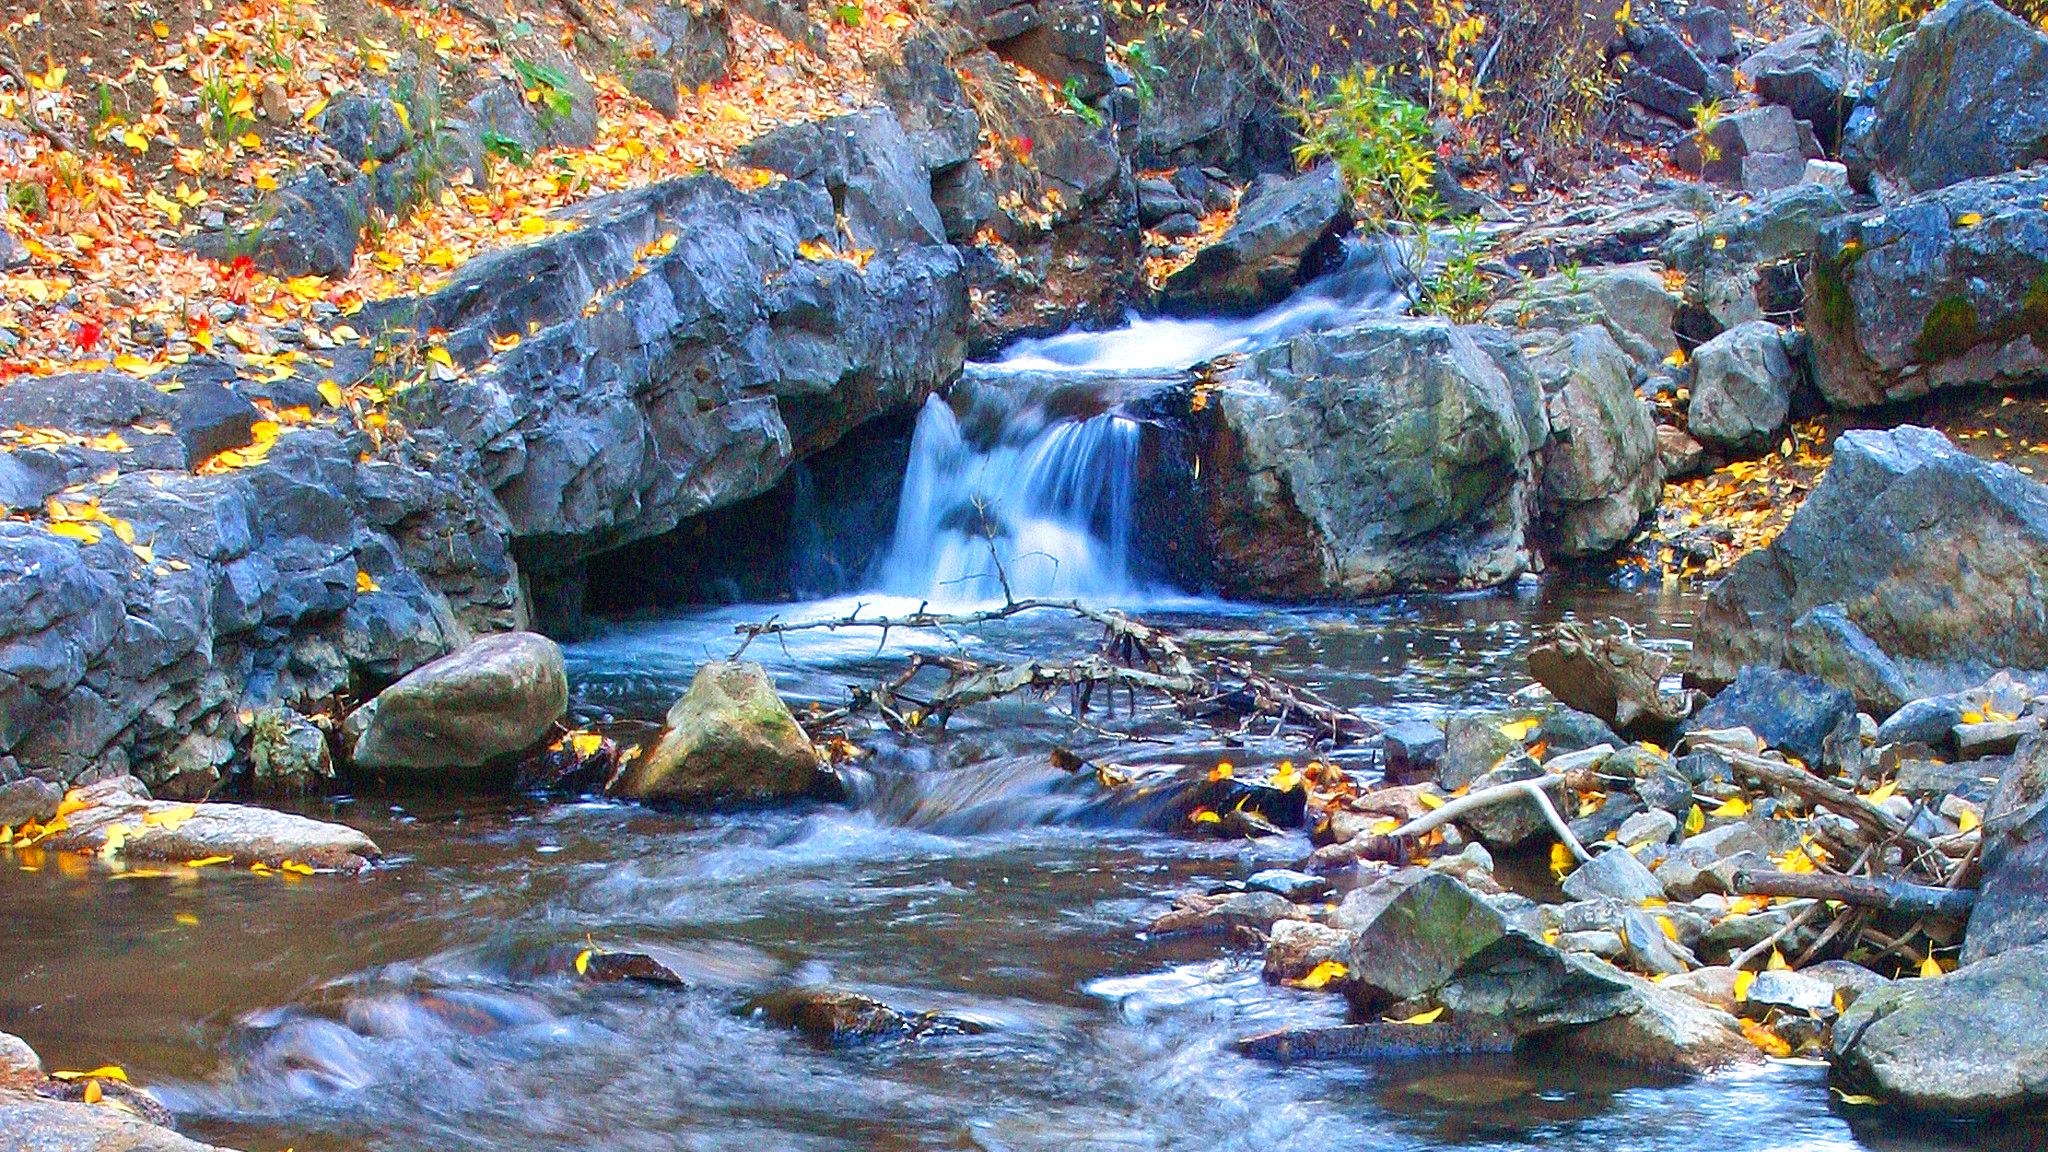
729	738
1377	1041
1868	568
120	812
1971	1043
492	699
832	1016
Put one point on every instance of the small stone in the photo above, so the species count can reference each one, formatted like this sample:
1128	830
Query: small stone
1828	174
1792	992
1413	751
28	799
1654	827
1296	886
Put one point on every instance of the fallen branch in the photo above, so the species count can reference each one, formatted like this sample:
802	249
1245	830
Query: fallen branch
1880	893
1486	798
1875	822
57	139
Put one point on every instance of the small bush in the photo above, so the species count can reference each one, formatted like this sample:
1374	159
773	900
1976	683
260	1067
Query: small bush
1381	145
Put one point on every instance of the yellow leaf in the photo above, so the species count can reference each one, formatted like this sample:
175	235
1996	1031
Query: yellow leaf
1321	975
1695	820
1884	792
1204	816
1777	961
585	744
1429	800
1561	860
74	801
1429	1017
331	393
1222	771
1855	1099
1969	219
1766	1041
583	961
250	140
172	819
187	919
295	868
1930	967
103	1072
365	582
208	861
117	835
1743	980
1734	807
93	1095
1968	821
1670	929
440	356
72	529
1518	730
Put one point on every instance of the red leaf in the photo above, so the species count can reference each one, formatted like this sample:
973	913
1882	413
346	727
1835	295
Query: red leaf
88	337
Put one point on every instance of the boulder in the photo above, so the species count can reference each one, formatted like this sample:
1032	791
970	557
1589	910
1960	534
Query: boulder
1631	301
1472	747
36	1124
1755	150
1663	1030
28	799
1604	672
1601	474
729	738
1299	947
1740	260
1971	1043
1742	388
1679	455
1966	95
309	227
866	162
2012	898
1412	933
1944	290
1810	73
1391	454
119	812
1665	74
1793	713
1614	875
492	699
1260	258
1870	559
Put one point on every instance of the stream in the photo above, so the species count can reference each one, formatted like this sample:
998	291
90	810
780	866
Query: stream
426	1006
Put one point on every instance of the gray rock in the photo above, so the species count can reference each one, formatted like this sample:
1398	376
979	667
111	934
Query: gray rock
1665	75
1414	750
1810	72
866	163
1966	95
1600	470
468	709
1875	541
1663	1030
1788	711
2012	899
28	799
1829	174
1787	991
1299	947
1604	672
1385	455
17	1059
1680	456
1756	150
1615	874
1472	747
730	737
246	834
363	128
1258	260
36	1124
1943	290
1196	914
1288	882
1849	980
1413	932
309	228
1971	1043
926	95
692	42
1566	729
1742	388
288	754
1630	301
1653	828
1739	259
835	1016
657	86
1515	823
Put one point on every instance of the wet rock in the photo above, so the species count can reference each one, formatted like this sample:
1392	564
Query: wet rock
1600	469
2011	911
1756	150
492	699
120	811
1790	712
1966	95
1296	886
1810	73
1742	388
1971	1043
1615	875
609	967
1259	259
1567	730
1875	543
1412	933
1299	947
1472	747
1198	914
1663	1030
1786	991
288	754
28	799
1944	290
832	1016
1708	862
36	1124
1377	1041
1630	301
1413	751
1385	455
730	737
1604	672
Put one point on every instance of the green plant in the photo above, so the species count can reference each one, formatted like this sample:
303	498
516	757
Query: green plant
506	148
1141	59
230	110
1381	145
550	87
848	14
1072	91
1459	290
1707	116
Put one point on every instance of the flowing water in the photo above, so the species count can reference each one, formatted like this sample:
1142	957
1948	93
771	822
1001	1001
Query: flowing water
432	1005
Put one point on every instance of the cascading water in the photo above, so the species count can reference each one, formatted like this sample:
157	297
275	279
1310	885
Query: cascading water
1046	498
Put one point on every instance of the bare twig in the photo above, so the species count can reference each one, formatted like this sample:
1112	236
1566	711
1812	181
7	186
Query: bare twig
57	139
1486	798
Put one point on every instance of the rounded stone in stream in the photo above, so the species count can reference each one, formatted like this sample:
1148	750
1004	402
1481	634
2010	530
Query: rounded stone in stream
729	738
489	700
831	1016
1286	882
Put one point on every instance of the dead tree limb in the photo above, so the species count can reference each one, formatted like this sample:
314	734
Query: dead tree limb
1875	822
1878	892
57	139
1531	790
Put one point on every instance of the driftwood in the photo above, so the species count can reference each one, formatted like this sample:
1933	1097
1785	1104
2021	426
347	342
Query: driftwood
1880	825
1487	797
1876	892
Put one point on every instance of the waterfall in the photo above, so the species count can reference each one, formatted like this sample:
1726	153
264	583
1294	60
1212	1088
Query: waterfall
1050	499
1037	468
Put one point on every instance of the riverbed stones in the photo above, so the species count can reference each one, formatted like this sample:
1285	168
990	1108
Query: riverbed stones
1631	301
1412	933
1965	96
1414	750
1742	388
1971	1043
729	738
1948	289
492	699
2012	898
1615	874
1663	1030
1755	150
1876	543
1600	470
